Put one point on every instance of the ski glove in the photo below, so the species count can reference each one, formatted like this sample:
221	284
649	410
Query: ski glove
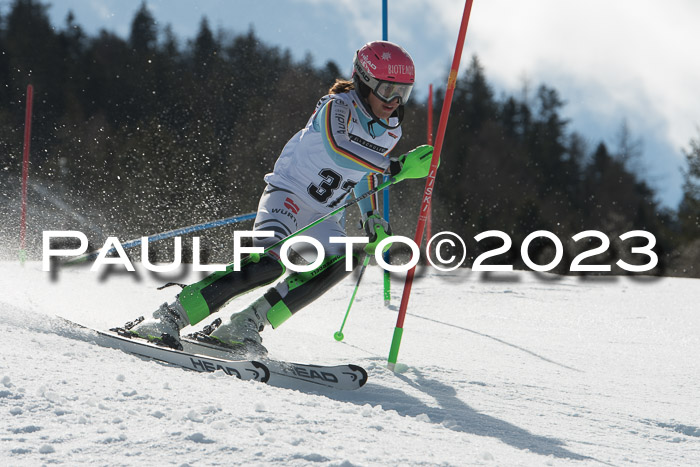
413	164
377	229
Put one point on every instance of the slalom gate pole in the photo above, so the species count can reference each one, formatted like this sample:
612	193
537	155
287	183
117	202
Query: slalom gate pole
339	335
430	184
25	174
385	20
387	255
171	233
429	227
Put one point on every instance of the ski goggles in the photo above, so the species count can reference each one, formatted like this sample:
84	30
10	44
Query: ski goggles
388	91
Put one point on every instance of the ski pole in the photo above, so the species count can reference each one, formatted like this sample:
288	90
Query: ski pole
414	168
193	291
339	335
340	208
255	257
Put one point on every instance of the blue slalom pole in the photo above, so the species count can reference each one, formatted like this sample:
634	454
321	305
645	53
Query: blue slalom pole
387	256
385	25
171	233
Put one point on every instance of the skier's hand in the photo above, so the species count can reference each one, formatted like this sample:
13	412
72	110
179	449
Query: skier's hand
413	164
377	229
395	165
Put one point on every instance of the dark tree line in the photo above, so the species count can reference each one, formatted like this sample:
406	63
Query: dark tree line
515	166
154	133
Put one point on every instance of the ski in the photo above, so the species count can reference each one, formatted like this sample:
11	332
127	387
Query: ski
204	357
242	369
289	374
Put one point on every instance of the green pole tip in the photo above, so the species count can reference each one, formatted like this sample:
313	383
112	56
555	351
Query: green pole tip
338	336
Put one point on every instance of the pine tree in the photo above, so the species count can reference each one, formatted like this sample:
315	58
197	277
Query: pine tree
144	33
205	50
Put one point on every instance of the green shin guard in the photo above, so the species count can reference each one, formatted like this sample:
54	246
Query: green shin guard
205	297
304	288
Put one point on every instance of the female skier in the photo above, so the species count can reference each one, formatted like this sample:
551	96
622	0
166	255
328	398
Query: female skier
343	146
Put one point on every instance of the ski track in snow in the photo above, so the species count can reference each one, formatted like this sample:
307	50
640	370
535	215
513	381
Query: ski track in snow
524	369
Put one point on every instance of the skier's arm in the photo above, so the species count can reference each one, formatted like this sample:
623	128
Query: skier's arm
413	164
367	183
375	227
332	122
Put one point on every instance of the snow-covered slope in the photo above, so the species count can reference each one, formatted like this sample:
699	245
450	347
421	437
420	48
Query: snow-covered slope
516	369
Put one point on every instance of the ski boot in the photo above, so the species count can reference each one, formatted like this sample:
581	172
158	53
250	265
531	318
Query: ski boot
164	327
241	334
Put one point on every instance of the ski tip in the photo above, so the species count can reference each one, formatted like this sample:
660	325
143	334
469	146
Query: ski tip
362	371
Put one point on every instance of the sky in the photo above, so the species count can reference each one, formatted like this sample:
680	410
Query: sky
612	61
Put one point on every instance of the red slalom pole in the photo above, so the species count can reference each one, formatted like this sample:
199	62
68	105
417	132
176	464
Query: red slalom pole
429	227
430	183
25	173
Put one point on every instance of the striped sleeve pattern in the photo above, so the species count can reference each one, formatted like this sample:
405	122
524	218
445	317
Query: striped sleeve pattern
333	121
367	183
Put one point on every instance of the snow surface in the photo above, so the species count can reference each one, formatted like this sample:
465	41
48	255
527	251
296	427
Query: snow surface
508	369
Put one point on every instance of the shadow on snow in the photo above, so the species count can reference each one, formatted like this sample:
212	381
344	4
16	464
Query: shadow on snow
453	414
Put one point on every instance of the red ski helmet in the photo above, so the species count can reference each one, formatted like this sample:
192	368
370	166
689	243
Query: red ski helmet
386	69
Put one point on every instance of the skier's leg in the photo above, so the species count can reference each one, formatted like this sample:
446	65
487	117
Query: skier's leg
207	296
294	292
282	301
199	300
277	212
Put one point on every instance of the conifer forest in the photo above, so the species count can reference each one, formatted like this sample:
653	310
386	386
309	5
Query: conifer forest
151	132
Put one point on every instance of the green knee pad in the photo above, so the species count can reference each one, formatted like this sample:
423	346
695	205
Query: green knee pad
214	291
305	287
